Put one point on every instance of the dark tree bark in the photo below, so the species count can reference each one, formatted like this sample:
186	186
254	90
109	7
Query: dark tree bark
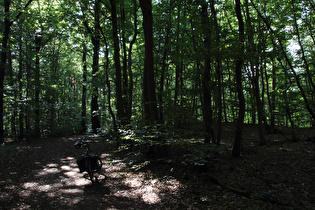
118	83
178	62
254	66
218	71
149	95
4	52
130	88
38	43
83	109
20	74
95	68
239	87
206	77
164	60
109	88
125	80
95	36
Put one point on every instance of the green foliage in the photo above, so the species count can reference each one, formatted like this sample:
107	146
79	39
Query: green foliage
178	51
200	154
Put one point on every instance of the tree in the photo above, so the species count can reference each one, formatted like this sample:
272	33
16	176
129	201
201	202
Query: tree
254	66
95	36
239	87
206	79
149	95
4	53
118	79
84	80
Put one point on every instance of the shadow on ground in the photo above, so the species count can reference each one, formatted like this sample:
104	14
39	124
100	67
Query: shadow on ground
44	175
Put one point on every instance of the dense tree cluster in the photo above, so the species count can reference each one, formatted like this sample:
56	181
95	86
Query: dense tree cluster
69	66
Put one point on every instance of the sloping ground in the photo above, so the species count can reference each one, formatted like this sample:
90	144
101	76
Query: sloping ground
43	175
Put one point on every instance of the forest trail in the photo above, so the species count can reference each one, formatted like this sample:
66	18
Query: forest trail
43	175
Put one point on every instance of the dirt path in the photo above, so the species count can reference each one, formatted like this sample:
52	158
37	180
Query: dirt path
43	175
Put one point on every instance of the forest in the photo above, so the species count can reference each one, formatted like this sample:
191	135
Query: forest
197	82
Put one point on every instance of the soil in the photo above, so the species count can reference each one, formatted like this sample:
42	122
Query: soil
43	174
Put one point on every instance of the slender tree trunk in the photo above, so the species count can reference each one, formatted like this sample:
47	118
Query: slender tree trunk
109	88
124	66
29	58
95	68
254	65
20	75
273	98
177	61
287	105
38	43
119	98
218	71
14	101
239	87
164	60
206	77
130	88
149	95
7	26
83	109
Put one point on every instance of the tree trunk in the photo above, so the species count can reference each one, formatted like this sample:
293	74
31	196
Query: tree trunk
254	65
20	74
239	87
218	71
84	80
95	67
130	88
3	60
119	98
149	95
38	43
164	65
125	81
206	77
109	89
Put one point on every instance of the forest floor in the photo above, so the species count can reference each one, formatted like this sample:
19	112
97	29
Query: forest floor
42	174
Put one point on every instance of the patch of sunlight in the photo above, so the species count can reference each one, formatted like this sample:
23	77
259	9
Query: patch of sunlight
151	198
52	165
71	174
47	171
135	182
72	191
105	155
30	185
57	185
116	175
149	190
114	166
67	159
81	182
66	168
